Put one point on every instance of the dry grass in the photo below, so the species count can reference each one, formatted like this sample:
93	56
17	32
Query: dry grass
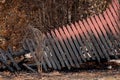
15	15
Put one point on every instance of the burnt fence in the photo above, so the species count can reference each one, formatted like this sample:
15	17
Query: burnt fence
96	38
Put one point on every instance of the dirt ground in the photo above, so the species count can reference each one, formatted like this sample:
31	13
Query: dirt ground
102	73
77	75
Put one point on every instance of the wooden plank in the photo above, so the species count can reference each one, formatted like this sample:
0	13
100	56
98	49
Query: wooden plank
78	39
99	36
72	45
49	52
115	16
68	47
9	55
5	63
3	55
91	38
109	33
88	55
52	54
110	30
64	48
86	41
74	40
116	6
33	49
30	47
85	48
69	59
58	62
51	60
45	56
3	60
115	25
110	24
44	65
24	45
95	39
58	56
60	48
101	26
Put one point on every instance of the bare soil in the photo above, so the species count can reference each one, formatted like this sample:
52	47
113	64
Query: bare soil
99	72
73	75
